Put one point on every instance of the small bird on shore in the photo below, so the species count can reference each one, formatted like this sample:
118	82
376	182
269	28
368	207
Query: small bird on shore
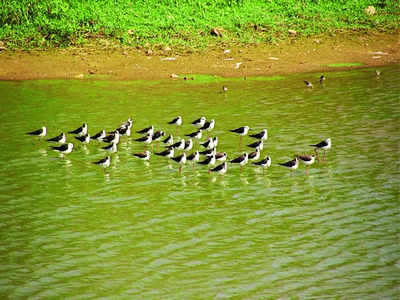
264	163
321	79
199	122
291	164
99	136
308	160
39	133
220	169
104	162
224	88
143	155
262	135
377	73
241	160
61	138
83	130
64	148
308	84
324	145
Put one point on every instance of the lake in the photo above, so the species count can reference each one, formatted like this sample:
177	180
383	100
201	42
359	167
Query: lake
145	231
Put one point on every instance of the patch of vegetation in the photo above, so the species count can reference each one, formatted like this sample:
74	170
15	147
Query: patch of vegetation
184	23
339	65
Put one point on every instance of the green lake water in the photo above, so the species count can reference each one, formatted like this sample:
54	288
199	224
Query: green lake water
144	231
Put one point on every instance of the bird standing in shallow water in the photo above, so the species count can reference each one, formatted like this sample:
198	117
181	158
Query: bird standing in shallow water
324	145
176	121
61	138
241	131
291	164
105	162
181	160
264	163
220	169
83	130
262	135
64	148
39	133
308	160
143	155
241	160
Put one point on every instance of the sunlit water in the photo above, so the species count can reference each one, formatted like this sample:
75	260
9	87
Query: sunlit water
69	230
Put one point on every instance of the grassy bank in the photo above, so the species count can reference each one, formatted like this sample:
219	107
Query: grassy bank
182	23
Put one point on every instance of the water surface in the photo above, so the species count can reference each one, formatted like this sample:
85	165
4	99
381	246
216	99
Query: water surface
69	230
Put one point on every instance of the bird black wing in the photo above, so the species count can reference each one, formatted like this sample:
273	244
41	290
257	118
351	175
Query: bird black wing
36	132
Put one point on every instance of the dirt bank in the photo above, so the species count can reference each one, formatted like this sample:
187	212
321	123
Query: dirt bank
293	56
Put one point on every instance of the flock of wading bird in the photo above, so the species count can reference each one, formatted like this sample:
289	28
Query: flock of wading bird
211	156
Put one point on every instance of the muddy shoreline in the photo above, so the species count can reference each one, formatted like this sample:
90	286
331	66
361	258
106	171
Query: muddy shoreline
315	54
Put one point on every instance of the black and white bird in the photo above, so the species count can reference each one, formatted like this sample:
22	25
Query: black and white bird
254	155
61	138
188	145
209	143
143	155
291	164
39	133
169	140
176	121
220	169
263	135
178	145
147	139
209	152
321	79
199	122
257	145
83	130
308	84
168	153
104	162
208	126
323	145
308	160
180	159
158	135
194	157
83	138
241	130
128	123
99	136
221	156
124	130
112	147
195	135
264	163
112	138
241	160
64	148
148	130
210	160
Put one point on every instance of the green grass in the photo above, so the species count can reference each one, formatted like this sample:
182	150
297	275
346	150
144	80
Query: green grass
338	65
184	23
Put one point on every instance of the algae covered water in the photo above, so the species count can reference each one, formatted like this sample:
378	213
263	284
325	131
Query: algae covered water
142	230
